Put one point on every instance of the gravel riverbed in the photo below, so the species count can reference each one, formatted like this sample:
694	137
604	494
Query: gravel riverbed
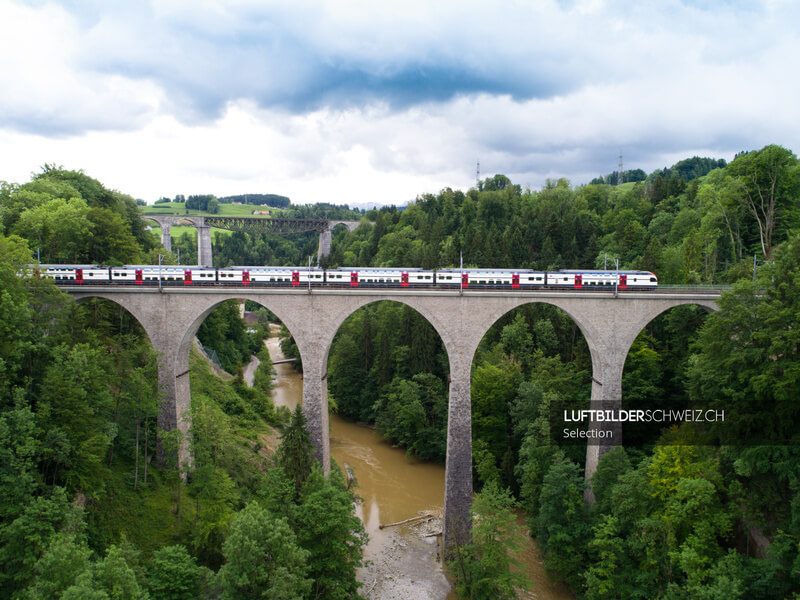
407	567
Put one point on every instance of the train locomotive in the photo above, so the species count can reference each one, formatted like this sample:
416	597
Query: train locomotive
348	277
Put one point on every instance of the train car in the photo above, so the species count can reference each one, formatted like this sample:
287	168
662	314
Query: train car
271	276
523	279
78	274
167	274
589	279
379	277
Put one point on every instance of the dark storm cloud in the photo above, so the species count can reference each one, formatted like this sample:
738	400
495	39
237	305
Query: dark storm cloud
281	60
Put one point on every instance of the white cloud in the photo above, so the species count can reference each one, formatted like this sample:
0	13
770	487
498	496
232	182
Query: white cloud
361	101
45	91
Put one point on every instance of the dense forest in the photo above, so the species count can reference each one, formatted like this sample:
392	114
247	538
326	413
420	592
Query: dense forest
672	519
83	496
86	510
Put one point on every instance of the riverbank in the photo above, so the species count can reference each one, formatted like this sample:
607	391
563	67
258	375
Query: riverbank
407	566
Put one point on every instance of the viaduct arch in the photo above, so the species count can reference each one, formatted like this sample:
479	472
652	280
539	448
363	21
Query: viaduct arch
171	317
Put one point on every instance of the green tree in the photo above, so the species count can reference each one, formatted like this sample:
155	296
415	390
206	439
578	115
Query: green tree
116	577
24	540
333	535
493	390
263	559
769	180
213	490
294	454
745	360
173	574
487	568
563	522
76	401
603	577
19	476
517	339
612	465
59	228
66	557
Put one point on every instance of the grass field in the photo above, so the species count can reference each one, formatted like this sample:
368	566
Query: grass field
225	210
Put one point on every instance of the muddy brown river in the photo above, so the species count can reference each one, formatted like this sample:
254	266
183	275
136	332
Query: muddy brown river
393	488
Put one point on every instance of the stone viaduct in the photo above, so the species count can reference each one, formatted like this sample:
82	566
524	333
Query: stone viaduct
610	324
205	256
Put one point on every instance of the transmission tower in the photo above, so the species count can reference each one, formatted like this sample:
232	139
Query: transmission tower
478	176
621	178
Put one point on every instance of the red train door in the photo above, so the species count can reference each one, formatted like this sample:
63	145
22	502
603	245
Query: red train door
245	277
354	279
295	277
187	277
465	279
515	280
139	279
78	275
623	282
403	279
578	281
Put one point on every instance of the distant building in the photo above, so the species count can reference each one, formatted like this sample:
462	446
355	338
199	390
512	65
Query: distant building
261	212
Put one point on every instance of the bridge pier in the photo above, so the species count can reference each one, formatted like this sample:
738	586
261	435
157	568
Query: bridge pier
166	236
174	410
205	258
606	395
315	406
324	247
458	462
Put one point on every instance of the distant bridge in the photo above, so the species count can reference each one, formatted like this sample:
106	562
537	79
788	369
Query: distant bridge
283	360
609	322
274	225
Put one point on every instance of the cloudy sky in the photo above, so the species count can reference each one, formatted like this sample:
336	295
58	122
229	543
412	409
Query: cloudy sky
364	100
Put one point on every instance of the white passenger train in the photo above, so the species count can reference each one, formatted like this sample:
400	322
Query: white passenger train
522	279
